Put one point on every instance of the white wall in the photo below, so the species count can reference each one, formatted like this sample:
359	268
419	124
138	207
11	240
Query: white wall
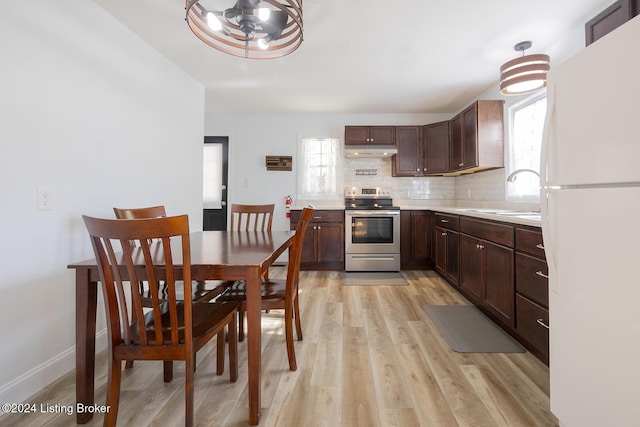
100	119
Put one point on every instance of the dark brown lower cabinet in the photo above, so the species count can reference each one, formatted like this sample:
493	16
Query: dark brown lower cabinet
532	292
446	254
533	327
415	239
487	276
323	245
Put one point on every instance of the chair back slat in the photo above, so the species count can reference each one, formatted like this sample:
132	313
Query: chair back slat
251	217
140	213
146	256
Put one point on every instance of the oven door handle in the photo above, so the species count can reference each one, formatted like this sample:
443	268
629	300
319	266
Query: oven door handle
372	212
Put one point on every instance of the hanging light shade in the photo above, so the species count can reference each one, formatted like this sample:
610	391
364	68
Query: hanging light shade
525	74
255	29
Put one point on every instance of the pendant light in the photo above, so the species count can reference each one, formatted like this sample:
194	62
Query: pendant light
525	74
254	29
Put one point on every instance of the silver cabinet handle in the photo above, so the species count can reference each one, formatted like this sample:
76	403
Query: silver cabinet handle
418	170
541	274
541	323
319	227
540	246
443	234
444	221
461	164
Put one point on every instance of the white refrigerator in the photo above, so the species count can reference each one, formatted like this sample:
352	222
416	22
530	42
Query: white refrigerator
590	202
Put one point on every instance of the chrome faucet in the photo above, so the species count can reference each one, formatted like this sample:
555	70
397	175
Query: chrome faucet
513	175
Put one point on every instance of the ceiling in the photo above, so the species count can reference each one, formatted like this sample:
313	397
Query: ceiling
403	56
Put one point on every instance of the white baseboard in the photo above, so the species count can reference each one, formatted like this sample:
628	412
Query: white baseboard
31	382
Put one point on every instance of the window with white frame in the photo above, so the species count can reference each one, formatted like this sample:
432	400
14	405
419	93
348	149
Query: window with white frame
319	168
526	123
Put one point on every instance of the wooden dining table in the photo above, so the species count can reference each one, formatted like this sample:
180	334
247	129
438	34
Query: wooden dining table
215	255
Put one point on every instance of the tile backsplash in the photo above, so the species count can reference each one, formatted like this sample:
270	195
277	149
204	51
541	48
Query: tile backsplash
376	172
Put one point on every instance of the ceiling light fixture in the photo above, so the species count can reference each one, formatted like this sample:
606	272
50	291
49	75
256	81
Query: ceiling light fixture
525	74
255	29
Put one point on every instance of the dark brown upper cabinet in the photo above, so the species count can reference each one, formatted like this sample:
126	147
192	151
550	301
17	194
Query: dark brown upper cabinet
408	161
477	137
369	135
610	19
422	150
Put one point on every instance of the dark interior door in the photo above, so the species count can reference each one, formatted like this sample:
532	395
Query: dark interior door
216	170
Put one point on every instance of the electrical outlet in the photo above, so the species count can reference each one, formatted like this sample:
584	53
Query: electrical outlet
44	199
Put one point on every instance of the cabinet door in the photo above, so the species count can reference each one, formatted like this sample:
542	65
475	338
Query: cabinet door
470	137
310	245
419	237
408	161
456	161
436	148
471	270
440	249
453	256
500	281
356	135
330	242
382	135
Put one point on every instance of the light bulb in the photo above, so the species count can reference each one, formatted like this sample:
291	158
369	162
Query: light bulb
263	44
213	22
264	13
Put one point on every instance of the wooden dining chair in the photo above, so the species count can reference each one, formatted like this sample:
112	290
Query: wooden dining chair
168	330
203	290
251	217
278	294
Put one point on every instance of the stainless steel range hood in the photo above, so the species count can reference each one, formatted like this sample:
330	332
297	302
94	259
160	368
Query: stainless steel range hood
355	151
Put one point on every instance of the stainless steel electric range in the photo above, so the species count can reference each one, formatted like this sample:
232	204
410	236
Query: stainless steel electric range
372	230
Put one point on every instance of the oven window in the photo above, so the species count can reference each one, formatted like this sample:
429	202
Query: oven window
371	229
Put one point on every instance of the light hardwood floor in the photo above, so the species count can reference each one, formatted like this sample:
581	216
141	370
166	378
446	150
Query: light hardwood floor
370	357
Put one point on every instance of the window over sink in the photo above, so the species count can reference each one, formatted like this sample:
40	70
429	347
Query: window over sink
525	127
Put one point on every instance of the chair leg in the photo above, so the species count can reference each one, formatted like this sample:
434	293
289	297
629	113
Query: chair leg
240	325
233	350
168	371
296	308
220	353
188	391
288	332
113	392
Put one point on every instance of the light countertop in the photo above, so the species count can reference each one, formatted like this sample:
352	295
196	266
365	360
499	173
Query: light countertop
513	216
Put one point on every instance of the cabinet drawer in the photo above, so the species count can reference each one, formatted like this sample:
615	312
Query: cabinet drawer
451	222
530	241
530	278
532	323
319	216
493	232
